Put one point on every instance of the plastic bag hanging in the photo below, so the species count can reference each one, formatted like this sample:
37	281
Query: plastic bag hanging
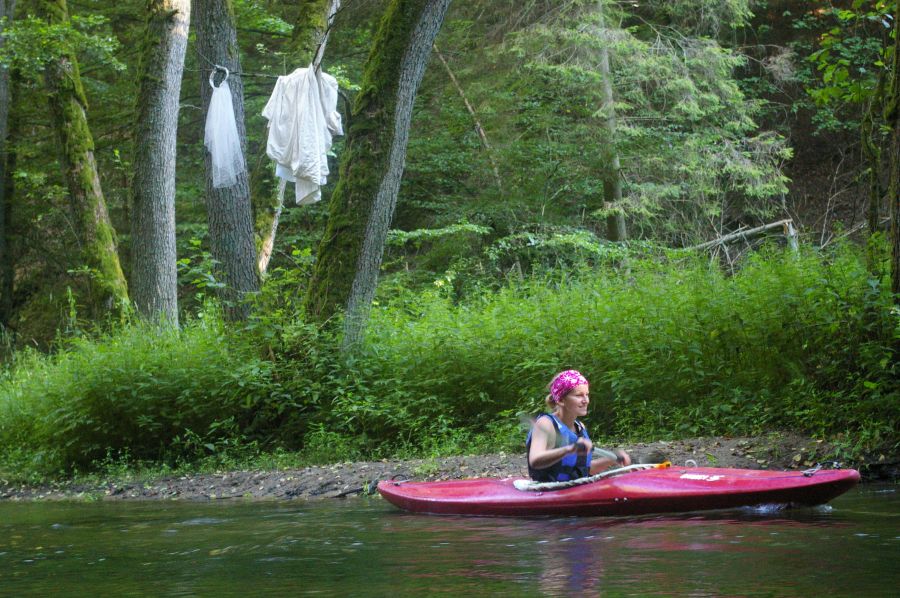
221	136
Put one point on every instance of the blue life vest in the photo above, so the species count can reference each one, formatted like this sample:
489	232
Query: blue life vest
573	465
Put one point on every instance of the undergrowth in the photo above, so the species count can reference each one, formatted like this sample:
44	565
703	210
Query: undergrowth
672	346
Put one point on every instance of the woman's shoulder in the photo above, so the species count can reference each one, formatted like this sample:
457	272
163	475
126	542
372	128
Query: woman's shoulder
546	421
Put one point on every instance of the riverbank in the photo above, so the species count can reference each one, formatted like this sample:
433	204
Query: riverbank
775	451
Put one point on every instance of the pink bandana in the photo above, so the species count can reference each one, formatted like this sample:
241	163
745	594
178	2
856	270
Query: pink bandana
564	382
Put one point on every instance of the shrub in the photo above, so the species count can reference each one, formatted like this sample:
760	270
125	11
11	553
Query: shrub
673	347
144	392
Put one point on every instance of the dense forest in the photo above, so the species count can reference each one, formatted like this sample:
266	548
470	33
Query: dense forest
695	202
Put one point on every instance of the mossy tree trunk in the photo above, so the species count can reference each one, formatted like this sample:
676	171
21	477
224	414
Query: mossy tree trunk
154	277
892	117
362	205
7	9
612	176
308	43
106	288
228	211
8	260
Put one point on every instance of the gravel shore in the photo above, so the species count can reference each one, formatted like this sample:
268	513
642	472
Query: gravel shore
775	451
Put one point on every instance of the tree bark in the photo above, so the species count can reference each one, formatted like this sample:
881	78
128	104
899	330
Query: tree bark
7	9
106	289
228	211
307	47
872	156
612	177
892	118
154	276
362	205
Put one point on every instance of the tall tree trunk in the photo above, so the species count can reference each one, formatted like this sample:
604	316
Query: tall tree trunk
307	47
892	117
362	205
154	276
7	9
612	178
228	211
106	288
8	264
872	156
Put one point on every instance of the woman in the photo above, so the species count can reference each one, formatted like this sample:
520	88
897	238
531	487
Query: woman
558	445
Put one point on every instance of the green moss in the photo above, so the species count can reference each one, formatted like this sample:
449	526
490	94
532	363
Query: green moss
364	162
312	21
43	315
96	235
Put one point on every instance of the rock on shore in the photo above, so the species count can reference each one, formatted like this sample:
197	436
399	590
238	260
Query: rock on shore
776	451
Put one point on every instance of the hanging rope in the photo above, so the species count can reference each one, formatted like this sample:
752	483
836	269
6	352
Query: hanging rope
213	67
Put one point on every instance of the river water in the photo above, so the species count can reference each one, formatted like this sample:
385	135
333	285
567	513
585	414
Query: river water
365	547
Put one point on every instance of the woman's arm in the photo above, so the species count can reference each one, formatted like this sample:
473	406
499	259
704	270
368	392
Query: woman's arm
543	438
603	463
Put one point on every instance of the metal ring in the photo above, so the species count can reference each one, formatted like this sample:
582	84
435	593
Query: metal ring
212	75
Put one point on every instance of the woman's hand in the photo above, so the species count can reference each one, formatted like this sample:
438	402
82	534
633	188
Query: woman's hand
624	459
604	463
582	446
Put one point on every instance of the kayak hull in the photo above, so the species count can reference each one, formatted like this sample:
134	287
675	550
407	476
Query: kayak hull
636	493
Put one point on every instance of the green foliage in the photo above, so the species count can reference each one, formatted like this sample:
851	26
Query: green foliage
851	61
690	150
253	14
30	43
555	250
146	393
487	291
198	270
852	54
700	17
417	237
678	349
671	345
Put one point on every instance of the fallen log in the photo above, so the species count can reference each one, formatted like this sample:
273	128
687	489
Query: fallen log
786	225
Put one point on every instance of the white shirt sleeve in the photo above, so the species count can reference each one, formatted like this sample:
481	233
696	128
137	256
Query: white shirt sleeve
328	89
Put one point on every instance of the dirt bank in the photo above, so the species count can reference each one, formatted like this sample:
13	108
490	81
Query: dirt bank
777	451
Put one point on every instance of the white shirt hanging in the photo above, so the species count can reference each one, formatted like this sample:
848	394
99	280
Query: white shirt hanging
221	136
303	117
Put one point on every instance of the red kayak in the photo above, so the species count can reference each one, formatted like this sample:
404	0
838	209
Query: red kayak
654	490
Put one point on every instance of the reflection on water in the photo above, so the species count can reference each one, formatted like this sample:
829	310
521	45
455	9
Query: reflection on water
366	547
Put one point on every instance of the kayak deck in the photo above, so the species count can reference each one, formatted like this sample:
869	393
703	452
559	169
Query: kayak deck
676	489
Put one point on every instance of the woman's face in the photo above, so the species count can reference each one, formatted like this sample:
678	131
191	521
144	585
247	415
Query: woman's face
576	401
